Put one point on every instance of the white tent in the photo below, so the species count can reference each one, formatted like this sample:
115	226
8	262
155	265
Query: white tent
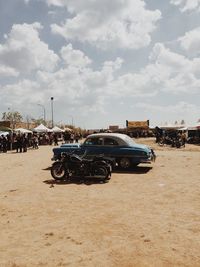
193	127
3	133
41	129
183	129
22	130
56	129
171	127
198	125
67	129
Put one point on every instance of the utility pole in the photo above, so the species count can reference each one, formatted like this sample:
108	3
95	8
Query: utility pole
44	111
52	111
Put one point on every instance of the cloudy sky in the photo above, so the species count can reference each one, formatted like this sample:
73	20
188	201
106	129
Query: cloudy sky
104	62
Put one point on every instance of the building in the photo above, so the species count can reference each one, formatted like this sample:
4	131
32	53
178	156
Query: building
25	125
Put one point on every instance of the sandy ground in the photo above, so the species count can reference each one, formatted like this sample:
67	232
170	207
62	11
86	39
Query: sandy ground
149	216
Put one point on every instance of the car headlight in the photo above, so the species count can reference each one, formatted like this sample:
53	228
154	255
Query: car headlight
144	153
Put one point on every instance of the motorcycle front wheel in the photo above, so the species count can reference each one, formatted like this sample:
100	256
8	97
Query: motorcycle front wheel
58	171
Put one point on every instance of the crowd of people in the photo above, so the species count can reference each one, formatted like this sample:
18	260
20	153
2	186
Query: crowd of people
18	142
4	143
21	142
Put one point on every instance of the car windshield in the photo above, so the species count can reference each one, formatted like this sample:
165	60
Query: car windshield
129	141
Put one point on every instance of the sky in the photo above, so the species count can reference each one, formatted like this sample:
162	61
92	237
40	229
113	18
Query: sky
103	62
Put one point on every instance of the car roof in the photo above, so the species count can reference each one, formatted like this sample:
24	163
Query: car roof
122	138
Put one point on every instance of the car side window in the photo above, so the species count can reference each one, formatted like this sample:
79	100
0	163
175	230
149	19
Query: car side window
97	141
110	142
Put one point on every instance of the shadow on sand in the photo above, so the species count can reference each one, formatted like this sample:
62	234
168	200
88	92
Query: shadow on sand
79	181
137	170
47	169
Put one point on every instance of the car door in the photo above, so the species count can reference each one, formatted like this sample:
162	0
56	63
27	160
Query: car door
93	146
110	147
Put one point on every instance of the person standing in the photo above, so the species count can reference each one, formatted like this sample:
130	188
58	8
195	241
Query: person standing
25	143
72	138
35	141
55	139
19	143
77	136
4	142
1	143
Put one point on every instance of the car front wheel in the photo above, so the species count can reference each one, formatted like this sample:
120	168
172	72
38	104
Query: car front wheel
124	163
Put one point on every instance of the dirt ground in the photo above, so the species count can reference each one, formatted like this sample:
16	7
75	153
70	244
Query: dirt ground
147	217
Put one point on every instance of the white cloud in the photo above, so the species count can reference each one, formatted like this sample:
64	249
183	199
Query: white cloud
178	72
113	24
82	87
190	42
180	107
74	57
24	92
187	5
32	72
7	71
24	51
167	72
132	85
162	113
163	56
59	3
79	90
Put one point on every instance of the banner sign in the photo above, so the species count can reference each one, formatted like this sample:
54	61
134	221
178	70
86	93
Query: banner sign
113	127
137	124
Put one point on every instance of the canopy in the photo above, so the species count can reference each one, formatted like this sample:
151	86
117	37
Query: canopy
22	130
5	129
67	129
56	129
171	127
183	129
3	133
198	125
41	129
193	127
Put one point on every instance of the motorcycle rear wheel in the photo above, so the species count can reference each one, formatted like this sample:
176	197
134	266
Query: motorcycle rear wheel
58	171
101	173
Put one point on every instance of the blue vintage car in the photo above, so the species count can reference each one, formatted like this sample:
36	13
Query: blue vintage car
120	147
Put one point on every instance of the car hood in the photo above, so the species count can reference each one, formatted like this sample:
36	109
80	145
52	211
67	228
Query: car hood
141	147
71	145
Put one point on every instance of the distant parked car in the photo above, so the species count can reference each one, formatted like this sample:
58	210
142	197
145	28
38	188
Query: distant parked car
121	147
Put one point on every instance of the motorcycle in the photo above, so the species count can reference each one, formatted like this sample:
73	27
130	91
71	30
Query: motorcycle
177	142
74	166
173	142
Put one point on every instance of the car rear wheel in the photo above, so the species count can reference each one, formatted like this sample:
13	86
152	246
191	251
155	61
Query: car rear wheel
124	163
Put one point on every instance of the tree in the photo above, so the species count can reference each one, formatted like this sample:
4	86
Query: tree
182	122
41	121
38	121
13	116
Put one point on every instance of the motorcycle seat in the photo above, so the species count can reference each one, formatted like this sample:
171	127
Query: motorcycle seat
87	160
